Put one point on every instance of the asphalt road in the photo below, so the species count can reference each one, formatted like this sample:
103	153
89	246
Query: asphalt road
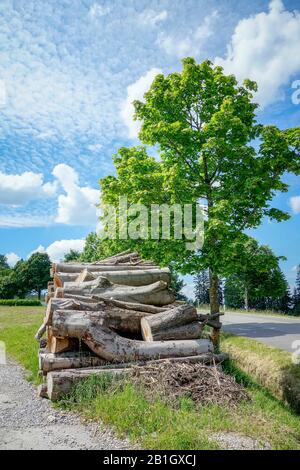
275	331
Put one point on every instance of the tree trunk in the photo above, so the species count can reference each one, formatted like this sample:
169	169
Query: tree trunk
214	292
112	347
59	345
155	326
214	305
121	320
42	391
39	293
190	331
155	294
96	268
211	320
68	360
246	299
124	278
135	306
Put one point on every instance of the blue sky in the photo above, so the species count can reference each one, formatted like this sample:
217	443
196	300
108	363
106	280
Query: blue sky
69	71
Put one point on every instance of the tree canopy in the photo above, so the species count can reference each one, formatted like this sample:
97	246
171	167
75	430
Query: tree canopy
211	150
25	277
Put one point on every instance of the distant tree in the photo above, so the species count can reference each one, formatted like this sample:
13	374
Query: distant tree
3	262
72	255
296	296
257	271
7	287
269	290
286	303
234	292
13	282
37	272
201	287
177	284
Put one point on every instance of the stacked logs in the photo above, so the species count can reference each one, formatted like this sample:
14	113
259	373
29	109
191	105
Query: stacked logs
113	314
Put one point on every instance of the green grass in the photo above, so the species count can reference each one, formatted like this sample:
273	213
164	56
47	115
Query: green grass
270	367
157	424
17	328
20	302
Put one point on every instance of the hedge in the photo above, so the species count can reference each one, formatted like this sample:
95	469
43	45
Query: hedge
20	302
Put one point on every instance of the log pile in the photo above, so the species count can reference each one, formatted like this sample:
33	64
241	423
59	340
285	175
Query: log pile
113	314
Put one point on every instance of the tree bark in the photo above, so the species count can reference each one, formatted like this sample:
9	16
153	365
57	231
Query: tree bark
190	331
125	278
154	326
211	320
77	268
155	294
68	360
121	320
134	306
214	306
246	299
112	347
42	391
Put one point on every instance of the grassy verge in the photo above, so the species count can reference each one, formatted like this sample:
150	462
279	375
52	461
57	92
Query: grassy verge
17	328
270	367
158	424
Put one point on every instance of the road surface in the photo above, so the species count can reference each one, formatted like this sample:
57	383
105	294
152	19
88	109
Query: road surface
275	331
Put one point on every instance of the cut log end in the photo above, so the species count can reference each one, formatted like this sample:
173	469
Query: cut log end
146	330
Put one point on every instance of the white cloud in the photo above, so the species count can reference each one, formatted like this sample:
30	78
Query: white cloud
2	93
20	189
12	259
265	48
295	204
58	249
152	18
78	205
97	10
55	250
192	43
294	268
95	147
136	91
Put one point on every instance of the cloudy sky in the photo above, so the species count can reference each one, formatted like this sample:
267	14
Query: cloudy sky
69	71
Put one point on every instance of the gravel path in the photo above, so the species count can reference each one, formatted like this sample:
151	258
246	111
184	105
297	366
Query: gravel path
28	422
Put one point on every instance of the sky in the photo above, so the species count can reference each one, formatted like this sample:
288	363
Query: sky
69	71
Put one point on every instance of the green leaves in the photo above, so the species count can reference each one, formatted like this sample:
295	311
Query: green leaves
212	149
